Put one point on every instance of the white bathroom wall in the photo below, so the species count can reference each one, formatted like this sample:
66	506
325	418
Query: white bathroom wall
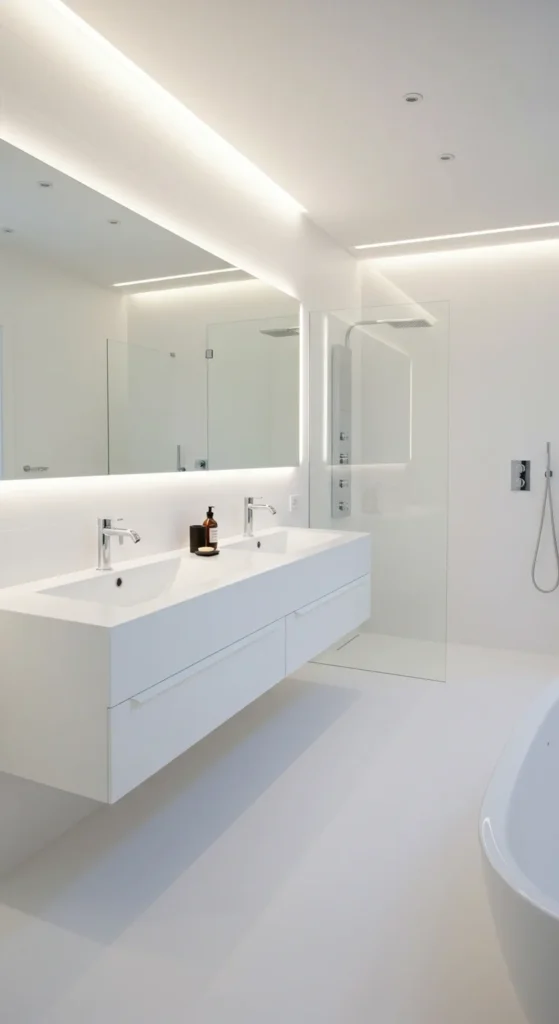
504	377
54	384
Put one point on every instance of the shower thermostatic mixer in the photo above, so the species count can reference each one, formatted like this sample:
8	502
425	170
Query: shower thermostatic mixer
520	475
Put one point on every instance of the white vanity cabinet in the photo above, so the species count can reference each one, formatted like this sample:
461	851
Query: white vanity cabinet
99	691
152	728
333	615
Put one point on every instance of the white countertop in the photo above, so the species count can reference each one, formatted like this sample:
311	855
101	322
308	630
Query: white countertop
184	576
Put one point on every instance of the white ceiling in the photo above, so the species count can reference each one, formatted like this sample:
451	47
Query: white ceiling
68	224
311	91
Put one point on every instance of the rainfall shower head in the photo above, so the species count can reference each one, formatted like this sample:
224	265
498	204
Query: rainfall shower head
282	332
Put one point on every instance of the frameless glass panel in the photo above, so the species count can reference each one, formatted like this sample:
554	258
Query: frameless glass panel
379	464
151	429
253	393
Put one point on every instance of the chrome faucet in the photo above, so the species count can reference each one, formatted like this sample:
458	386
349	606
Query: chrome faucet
250	508
106	530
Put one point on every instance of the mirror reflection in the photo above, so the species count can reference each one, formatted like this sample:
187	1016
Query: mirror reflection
253	393
126	349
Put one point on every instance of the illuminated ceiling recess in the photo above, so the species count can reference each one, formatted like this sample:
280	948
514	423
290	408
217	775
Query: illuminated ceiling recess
127	78
178	277
460	234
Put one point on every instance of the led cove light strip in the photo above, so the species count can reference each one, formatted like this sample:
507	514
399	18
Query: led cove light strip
179	277
129	80
461	234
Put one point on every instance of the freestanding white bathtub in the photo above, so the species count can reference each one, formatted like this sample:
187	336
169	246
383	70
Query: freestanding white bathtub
519	830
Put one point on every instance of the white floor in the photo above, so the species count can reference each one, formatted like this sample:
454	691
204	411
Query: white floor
393	655
315	860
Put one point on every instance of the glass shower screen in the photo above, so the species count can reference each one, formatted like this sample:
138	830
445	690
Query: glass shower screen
379	464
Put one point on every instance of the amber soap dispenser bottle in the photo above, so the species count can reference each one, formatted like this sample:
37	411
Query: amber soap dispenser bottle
210	527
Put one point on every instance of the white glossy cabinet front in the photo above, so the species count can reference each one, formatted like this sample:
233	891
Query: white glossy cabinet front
151	729
333	615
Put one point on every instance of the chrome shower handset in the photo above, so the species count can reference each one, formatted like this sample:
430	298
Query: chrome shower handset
548	497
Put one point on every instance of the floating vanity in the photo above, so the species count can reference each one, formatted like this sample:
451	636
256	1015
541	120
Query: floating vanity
107	677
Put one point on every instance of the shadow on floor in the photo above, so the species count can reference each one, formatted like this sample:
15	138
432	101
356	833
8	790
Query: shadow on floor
99	877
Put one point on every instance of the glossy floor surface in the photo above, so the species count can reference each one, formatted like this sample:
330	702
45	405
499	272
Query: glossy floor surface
315	860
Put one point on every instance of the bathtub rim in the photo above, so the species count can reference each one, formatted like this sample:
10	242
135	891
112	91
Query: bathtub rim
493	818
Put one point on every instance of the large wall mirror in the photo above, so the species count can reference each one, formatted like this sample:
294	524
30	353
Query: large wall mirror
126	349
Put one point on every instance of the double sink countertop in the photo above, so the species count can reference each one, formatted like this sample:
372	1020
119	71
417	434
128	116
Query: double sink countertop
146	586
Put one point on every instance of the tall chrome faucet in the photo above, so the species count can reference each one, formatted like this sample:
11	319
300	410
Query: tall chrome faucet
250	508
106	530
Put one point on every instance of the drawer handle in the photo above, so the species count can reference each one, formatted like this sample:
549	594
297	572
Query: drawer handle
200	666
308	608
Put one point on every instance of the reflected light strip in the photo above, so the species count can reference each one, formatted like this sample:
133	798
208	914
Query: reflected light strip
411	409
303	386
460	234
199	136
178	277
379	465
325	395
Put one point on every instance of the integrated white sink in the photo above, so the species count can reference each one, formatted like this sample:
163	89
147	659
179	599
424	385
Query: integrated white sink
106	677
284	542
124	586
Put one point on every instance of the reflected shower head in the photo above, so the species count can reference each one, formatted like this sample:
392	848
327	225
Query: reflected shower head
401	322
398	322
282	332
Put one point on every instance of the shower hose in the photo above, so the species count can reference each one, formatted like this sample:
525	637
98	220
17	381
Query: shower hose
548	497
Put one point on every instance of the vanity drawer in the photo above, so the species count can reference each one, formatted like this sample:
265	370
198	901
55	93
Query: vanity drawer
312	628
156	726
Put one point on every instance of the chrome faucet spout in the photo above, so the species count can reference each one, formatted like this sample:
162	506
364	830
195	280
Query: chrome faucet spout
121	534
250	507
106	530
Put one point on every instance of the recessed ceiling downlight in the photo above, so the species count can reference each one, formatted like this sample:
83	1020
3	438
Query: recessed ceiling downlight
445	157
413	97
113	221
45	184
7	231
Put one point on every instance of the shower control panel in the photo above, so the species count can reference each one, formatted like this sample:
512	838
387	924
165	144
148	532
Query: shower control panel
520	475
341	431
